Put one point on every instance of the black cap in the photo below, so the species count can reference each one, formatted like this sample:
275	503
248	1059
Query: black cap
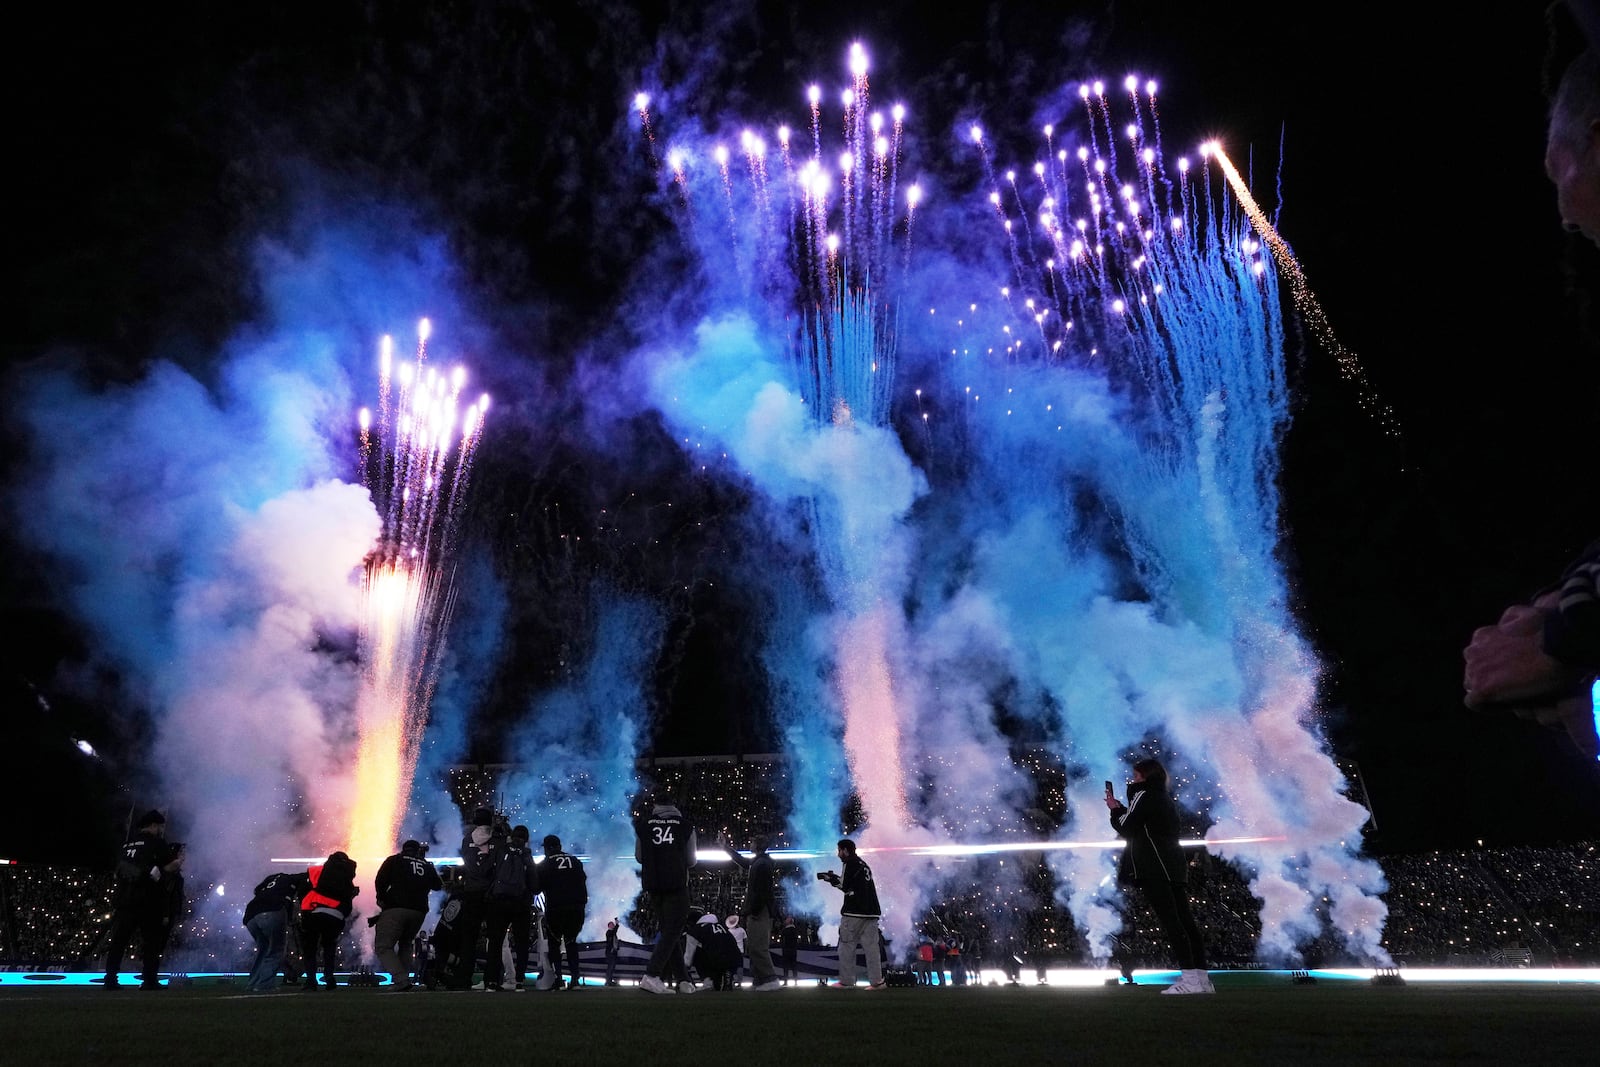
519	832
411	846
151	818
552	841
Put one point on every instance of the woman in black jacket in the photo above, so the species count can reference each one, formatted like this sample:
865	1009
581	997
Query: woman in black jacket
1153	860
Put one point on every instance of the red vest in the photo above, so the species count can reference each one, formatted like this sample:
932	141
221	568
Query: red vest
314	900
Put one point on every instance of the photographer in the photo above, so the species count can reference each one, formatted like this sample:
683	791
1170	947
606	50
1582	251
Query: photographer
471	889
1153	861
402	887
858	918
148	878
324	910
268	917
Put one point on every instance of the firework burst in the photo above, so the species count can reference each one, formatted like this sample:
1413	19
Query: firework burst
417	459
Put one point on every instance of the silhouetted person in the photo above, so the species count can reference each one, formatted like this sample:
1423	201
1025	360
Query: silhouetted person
147	881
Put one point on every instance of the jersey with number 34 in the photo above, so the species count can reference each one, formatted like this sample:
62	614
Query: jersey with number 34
665	839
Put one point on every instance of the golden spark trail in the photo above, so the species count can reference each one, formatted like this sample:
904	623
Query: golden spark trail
1305	301
416	467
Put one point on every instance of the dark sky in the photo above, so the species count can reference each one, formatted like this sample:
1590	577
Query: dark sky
152	145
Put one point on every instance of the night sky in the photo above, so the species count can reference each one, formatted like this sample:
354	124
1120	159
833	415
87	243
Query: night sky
154	149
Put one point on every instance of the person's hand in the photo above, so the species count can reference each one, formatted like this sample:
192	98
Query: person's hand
1506	663
1112	803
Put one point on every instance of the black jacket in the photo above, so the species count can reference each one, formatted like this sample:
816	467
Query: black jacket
405	882
664	845
860	892
564	882
278	892
758	892
1149	825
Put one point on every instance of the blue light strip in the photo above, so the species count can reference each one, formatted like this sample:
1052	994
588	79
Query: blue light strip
1594	707
129	980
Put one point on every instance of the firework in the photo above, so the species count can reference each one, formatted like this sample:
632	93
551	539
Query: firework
417	458
1157	281
821	241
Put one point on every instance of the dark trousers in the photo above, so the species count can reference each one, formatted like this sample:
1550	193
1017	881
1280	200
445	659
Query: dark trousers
467	923
672	911
503	915
320	931
146	914
564	925
1170	902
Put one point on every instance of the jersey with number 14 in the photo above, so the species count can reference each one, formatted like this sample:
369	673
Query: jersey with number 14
665	850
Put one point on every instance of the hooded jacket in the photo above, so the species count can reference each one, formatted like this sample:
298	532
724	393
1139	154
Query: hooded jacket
333	889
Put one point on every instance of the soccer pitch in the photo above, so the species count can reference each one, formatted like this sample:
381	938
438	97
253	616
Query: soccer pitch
1246	1022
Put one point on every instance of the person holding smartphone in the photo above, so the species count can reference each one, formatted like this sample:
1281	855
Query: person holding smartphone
1152	860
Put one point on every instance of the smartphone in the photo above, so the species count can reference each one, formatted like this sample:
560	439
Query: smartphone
1110	792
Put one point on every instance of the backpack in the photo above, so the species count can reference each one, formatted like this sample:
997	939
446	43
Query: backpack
512	874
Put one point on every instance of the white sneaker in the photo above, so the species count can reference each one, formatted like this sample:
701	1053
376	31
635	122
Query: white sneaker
1190	982
768	986
509	986
688	987
651	984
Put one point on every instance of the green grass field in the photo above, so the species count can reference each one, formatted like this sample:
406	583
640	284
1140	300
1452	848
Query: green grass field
1350	1022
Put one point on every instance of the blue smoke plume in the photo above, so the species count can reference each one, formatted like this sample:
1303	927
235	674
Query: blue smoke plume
1087	540
197	524
577	748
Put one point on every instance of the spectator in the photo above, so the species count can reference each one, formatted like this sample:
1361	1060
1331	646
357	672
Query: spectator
790	942
611	952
